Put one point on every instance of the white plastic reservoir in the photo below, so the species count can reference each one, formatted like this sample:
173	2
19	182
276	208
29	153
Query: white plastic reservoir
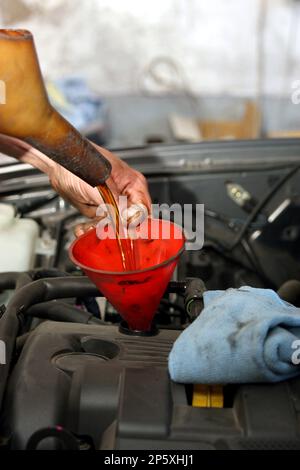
18	238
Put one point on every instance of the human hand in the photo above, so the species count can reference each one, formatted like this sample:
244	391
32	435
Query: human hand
123	180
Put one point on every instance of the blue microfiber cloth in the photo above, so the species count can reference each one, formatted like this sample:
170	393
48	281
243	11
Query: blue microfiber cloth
242	335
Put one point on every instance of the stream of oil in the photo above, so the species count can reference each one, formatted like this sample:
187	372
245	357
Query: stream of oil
125	244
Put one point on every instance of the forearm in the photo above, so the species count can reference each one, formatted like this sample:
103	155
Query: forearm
23	152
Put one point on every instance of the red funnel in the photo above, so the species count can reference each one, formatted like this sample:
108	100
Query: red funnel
134	294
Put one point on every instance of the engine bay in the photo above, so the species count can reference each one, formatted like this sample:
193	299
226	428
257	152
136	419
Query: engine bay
74	379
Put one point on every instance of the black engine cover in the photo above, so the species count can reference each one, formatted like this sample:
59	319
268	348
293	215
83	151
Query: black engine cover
114	390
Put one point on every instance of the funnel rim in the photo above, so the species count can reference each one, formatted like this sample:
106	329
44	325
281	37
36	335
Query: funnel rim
124	273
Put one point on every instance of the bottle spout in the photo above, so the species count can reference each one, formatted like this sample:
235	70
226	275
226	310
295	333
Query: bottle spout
28	115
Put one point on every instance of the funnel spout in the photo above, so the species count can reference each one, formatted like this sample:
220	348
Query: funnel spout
28	115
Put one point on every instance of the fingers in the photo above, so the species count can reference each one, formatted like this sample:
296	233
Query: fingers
87	210
125	180
138	193
131	218
134	215
80	229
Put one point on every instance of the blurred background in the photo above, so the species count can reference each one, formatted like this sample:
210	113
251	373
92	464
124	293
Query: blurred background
131	72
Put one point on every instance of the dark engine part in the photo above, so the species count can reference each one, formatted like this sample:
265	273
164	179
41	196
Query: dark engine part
277	244
112	391
193	297
88	386
290	292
